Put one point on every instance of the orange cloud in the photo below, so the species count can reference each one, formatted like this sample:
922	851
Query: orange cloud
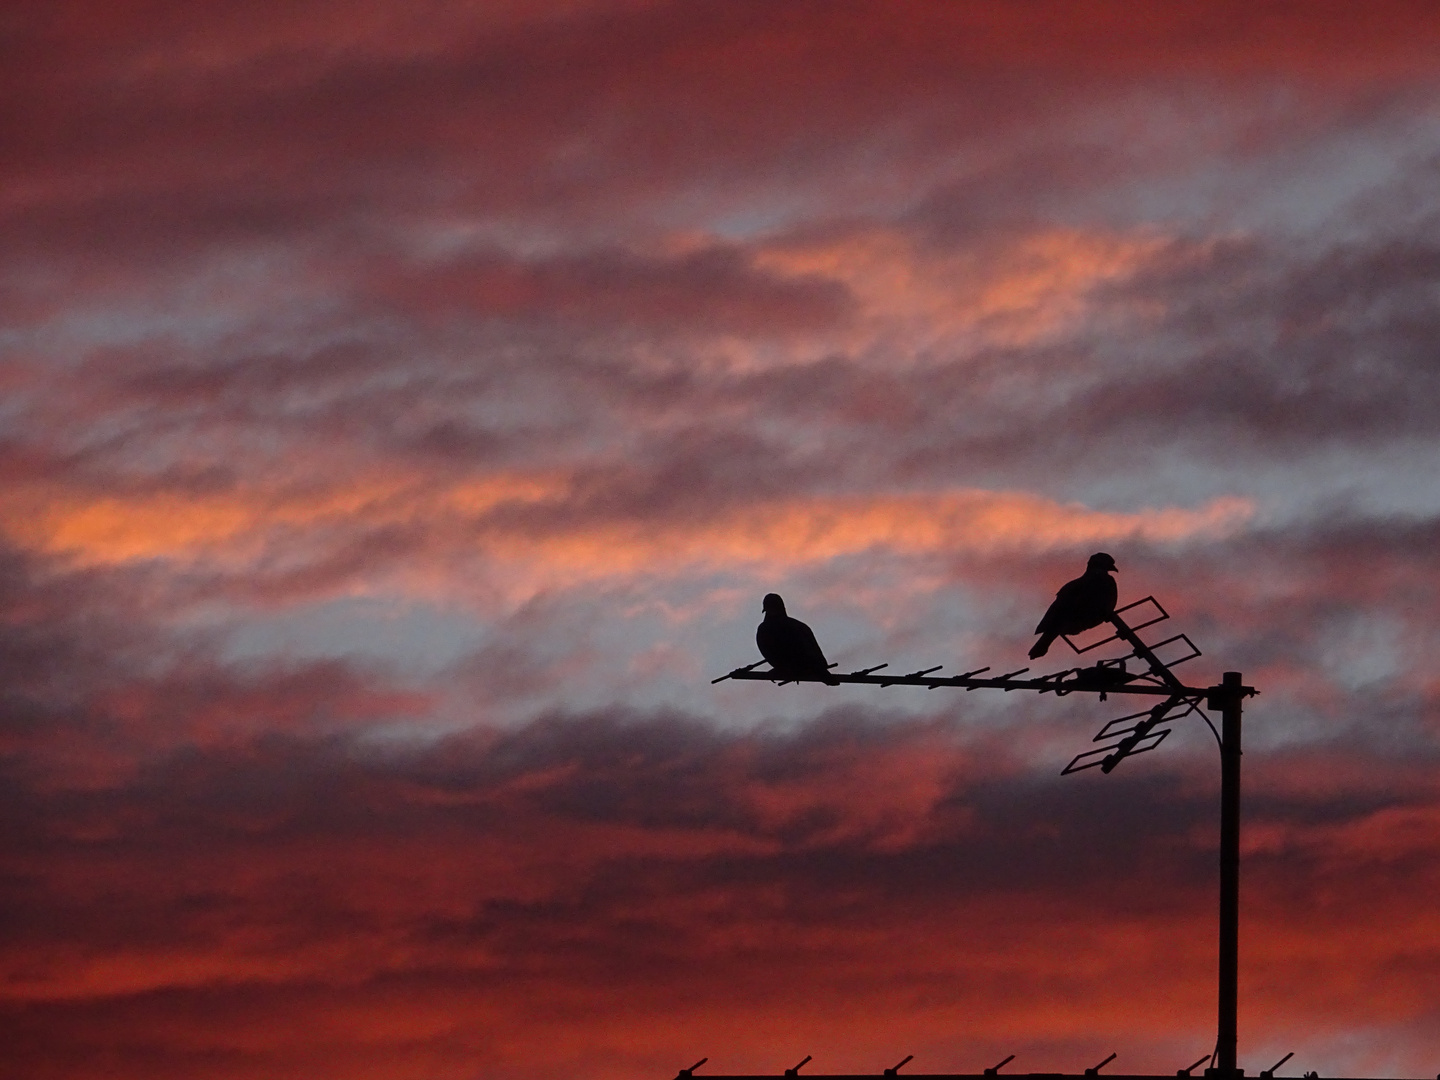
1013	293
510	520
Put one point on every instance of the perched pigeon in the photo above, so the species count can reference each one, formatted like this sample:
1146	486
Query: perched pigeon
1079	605
788	643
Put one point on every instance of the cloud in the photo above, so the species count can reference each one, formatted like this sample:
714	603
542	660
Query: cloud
705	292
269	874
151	133
403	409
507	884
554	533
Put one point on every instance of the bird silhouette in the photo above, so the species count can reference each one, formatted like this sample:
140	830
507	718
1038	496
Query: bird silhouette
789	644
1079	605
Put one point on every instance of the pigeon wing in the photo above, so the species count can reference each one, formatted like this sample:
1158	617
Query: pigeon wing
1090	604
807	650
1061	611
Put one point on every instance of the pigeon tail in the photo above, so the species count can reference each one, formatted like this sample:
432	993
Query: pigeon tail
1041	647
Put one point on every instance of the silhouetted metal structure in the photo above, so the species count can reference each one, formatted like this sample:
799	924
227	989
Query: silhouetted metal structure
1126	736
686	1074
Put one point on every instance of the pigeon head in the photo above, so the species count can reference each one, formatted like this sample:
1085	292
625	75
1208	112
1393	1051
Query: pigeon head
1102	562
773	604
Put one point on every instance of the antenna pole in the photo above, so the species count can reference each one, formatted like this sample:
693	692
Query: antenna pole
1228	696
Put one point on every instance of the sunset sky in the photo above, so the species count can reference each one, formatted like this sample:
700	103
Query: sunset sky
404	408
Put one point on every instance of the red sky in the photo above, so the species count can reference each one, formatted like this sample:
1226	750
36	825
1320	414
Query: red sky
405	407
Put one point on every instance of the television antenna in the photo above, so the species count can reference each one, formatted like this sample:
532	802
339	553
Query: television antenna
1127	736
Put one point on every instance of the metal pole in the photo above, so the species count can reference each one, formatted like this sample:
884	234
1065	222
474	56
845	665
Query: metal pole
1231	694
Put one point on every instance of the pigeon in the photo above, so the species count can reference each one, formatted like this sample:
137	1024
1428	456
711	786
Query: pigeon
1079	605
789	644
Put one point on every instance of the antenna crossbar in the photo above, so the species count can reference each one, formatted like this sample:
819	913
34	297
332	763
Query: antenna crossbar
1048	684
